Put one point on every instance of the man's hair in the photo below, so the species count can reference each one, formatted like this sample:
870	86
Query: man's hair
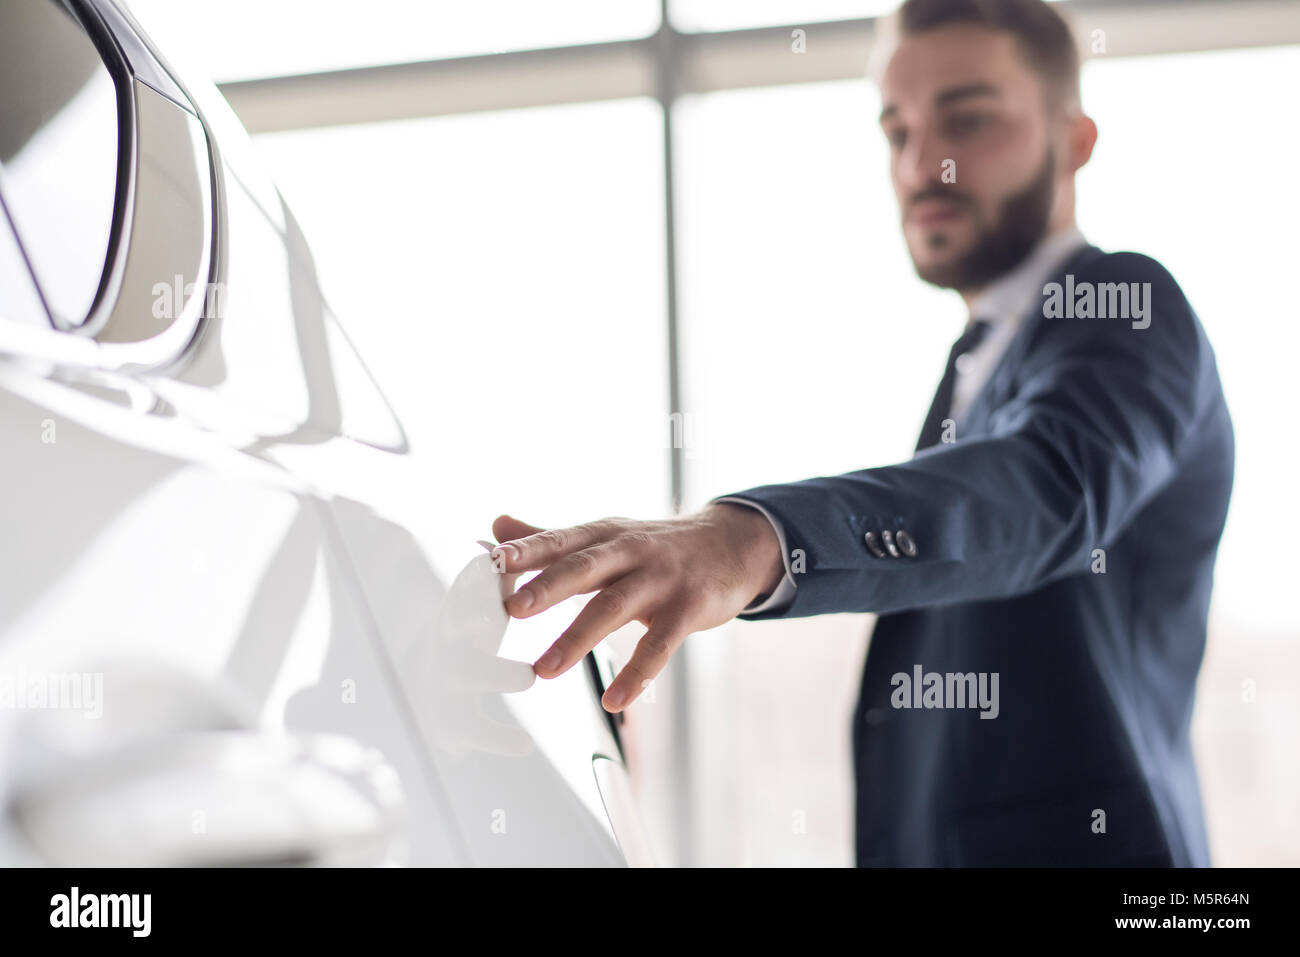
1043	34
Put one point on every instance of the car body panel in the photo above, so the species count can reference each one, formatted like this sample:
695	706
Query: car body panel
195	511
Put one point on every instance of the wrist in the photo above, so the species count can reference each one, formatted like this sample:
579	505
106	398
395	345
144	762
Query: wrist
751	535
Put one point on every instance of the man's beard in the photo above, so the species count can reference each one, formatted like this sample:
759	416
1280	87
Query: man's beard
1021	223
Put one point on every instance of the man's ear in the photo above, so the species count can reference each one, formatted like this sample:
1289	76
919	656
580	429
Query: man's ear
1080	138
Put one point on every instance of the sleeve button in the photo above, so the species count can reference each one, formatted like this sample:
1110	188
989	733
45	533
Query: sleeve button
906	544
888	536
873	543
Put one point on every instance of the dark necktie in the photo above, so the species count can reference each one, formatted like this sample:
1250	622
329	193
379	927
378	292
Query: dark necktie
932	431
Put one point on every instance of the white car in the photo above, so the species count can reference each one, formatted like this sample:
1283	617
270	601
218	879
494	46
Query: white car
214	646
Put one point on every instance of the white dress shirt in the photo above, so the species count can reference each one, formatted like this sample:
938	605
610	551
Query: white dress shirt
1005	303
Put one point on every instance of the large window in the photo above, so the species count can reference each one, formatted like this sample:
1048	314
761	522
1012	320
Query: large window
502	274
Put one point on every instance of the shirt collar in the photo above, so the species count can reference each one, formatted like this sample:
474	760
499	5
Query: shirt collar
1007	297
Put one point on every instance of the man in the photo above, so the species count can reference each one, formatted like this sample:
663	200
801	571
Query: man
1042	566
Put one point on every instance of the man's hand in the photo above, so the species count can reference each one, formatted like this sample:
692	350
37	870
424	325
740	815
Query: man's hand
676	577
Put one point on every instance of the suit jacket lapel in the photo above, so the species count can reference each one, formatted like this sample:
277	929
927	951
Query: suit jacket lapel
995	387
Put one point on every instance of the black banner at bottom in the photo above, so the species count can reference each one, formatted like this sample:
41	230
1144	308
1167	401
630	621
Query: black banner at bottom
335	906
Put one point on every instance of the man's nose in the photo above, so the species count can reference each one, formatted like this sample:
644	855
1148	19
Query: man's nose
921	163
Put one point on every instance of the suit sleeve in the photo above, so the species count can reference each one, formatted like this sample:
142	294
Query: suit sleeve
1097	419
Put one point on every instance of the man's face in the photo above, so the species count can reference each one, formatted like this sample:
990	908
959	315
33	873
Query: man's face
972	159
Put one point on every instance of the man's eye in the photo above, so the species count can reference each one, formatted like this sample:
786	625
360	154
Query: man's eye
897	138
967	123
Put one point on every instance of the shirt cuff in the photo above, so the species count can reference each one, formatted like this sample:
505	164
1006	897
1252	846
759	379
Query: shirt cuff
783	594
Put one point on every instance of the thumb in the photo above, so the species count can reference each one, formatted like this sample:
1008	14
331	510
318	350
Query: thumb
507	527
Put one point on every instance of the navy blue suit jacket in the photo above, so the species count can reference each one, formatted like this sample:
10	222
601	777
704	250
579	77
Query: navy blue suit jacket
1090	435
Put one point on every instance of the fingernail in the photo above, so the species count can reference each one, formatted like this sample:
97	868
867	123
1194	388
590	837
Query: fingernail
523	600
549	661
615	697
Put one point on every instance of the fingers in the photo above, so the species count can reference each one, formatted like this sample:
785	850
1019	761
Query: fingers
615	558
652	652
539	549
609	611
575	574
507	527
